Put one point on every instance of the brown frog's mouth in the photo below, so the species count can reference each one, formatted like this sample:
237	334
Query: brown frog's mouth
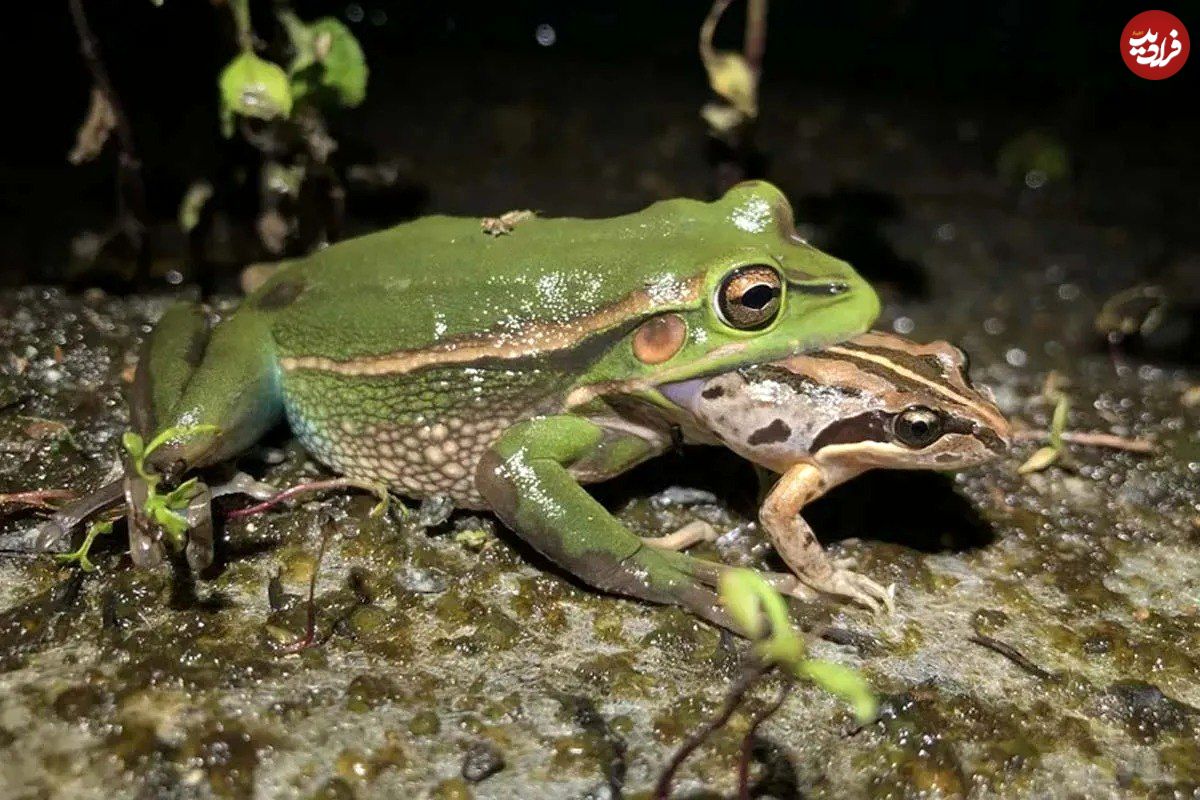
684	393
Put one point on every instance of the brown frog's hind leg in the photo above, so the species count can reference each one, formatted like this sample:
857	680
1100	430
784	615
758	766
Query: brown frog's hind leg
692	533
799	548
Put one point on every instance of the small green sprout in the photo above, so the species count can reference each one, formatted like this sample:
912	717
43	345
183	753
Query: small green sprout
761	613
1043	457
762	616
253	87
164	508
80	556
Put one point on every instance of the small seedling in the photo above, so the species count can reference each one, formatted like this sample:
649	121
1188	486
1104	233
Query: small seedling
761	614
164	509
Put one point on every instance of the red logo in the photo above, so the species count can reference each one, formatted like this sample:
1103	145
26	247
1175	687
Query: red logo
1155	45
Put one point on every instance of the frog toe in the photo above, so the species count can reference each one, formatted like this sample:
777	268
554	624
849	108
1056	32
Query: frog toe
858	589
690	534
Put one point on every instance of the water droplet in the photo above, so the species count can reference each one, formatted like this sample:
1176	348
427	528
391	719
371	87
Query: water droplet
903	325
545	35
1016	357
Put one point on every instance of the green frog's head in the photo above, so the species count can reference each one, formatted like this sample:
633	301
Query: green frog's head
745	289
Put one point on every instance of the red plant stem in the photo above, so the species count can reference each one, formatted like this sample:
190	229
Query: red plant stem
298	489
310	626
748	739
662	789
37	498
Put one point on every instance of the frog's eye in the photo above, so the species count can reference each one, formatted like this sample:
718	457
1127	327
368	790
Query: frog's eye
917	426
749	296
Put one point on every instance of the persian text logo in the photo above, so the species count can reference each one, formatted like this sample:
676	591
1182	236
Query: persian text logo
1155	45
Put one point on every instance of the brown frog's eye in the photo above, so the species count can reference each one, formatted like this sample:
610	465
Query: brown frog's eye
749	296
917	426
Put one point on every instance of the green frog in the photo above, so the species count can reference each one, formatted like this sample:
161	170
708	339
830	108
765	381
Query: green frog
820	419
501	365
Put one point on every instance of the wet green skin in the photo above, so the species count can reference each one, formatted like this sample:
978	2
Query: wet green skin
500	370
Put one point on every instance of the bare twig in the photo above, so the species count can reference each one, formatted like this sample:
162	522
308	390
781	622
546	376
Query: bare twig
1091	439
310	625
37	498
748	740
131	191
755	43
300	489
749	676
1013	655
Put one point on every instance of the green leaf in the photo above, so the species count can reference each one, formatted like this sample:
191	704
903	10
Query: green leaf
844	682
134	445
1059	422
80	556
253	87
171	521
739	593
329	67
762	614
1039	461
192	205
181	494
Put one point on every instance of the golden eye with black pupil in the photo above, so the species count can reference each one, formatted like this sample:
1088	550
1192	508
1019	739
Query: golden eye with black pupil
917	426
749	297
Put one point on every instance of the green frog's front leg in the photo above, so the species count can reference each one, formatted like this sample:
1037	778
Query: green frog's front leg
526	479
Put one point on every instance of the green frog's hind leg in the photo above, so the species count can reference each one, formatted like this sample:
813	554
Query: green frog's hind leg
191	374
526	479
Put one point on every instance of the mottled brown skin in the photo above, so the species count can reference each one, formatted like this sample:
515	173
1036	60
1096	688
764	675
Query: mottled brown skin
822	418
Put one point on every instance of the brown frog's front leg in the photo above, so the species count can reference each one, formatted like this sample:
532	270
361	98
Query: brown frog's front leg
799	548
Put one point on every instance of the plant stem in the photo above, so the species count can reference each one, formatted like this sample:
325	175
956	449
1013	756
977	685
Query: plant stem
131	190
308	488
37	498
755	42
748	739
749	676
310	625
1091	439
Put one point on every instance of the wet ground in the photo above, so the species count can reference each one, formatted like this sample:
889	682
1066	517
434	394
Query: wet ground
453	650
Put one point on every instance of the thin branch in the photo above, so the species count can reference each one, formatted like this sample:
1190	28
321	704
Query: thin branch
662	789
131	191
1012	654
748	740
37	498
1091	439
755	42
301	489
310	625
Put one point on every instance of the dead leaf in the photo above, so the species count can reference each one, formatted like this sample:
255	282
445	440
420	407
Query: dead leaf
94	132
1039	461
503	224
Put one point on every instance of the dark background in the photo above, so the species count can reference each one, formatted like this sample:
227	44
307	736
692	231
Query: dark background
481	118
